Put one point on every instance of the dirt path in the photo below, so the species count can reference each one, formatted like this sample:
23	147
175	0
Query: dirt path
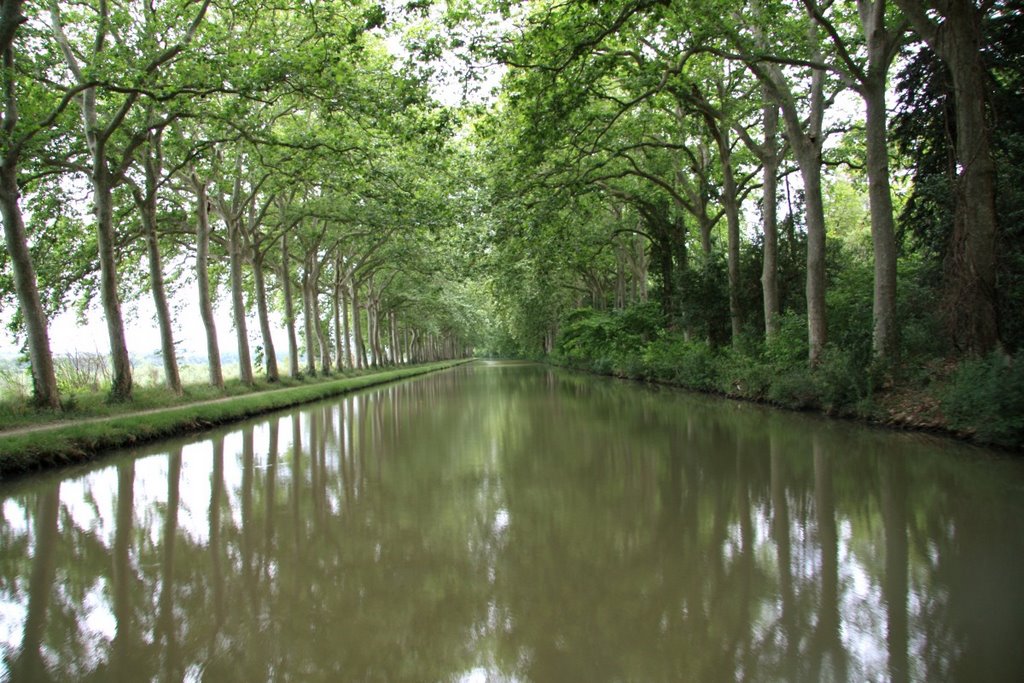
21	431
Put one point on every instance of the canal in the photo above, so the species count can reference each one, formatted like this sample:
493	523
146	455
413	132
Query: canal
511	522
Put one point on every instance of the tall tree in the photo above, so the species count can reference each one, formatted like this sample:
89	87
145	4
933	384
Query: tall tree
805	131
107	165
952	29
146	202
202	204
15	135
882	36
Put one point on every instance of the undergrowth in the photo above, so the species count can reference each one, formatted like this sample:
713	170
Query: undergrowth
982	398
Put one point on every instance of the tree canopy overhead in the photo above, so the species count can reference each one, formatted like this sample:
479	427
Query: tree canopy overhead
732	175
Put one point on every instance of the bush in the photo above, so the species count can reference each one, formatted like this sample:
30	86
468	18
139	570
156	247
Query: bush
986	397
689	363
584	337
14	382
841	379
77	372
794	388
743	373
788	349
608	342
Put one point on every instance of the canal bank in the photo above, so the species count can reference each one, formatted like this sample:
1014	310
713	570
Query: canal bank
906	406
59	444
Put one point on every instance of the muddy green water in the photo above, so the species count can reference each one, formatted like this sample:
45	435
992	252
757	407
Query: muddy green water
506	522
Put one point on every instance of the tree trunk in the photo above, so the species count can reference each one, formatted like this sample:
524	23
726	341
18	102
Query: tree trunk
806	139
26	287
638	261
322	339
346	339
373	325
371	330
339	349
769	220
882	47
357	328
309	320
971	265
393	320
810	171
972	268
238	304
730	202
289	310
103	200
885	334
96	138
620	275
44	380
146	202
269	353
156	283
203	281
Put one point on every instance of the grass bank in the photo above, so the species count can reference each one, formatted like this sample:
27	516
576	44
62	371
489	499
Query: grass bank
62	443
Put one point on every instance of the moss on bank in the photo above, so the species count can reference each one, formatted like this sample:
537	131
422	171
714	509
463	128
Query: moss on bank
67	443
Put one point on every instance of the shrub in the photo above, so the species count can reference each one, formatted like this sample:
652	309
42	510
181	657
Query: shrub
81	372
794	388
986	397
608	342
689	363
583	337
788	349
841	378
14	382
744	373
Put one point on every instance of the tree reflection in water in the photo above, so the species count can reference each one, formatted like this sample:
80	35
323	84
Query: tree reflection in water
523	524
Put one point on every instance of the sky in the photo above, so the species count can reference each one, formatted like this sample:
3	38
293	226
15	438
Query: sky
69	335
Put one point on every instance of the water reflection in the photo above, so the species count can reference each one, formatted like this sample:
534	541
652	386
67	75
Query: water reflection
514	523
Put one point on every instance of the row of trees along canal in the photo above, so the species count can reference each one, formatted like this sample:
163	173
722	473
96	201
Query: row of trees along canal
635	138
691	150
284	152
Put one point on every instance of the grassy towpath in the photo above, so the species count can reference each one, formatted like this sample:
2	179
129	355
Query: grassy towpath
78	439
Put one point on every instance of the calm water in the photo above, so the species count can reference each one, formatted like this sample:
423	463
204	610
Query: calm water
512	523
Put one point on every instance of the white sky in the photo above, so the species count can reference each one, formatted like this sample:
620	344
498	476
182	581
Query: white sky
68	335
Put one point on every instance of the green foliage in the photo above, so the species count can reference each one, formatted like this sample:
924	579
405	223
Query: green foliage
606	342
794	388
849	306
788	349
705	298
744	373
688	363
921	332
986	397
842	379
776	372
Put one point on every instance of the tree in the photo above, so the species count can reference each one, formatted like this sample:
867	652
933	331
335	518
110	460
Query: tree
882	36
104	115
952	28
146	201
15	135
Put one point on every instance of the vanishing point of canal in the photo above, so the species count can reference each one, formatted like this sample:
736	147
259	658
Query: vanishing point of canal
510	522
